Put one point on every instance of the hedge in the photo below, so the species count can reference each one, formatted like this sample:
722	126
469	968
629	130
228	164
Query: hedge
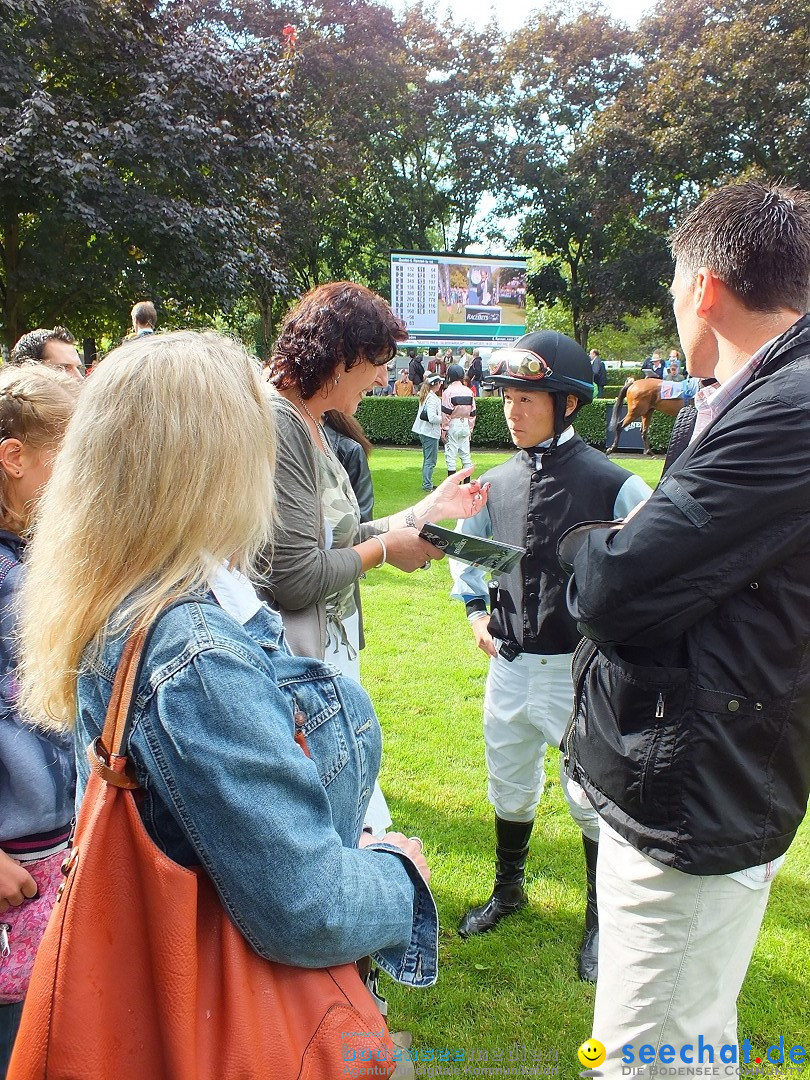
389	420
619	376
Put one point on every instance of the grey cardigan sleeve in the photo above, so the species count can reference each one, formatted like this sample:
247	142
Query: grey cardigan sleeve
302	572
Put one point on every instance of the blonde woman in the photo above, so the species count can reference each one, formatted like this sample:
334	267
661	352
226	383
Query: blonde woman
37	776
164	493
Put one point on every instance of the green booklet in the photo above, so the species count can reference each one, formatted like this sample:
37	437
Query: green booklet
488	554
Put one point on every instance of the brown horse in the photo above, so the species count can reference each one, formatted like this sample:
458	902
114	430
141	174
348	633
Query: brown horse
643	397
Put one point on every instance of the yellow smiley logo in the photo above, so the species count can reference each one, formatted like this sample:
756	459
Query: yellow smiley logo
591	1054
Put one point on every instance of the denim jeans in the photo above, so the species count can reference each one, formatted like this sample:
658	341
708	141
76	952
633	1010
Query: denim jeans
9	1022
430	452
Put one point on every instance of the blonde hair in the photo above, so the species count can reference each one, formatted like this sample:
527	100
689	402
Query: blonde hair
166	470
36	403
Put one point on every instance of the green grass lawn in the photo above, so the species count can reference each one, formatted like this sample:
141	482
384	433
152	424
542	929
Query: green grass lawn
518	983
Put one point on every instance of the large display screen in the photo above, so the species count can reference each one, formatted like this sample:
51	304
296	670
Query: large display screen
456	299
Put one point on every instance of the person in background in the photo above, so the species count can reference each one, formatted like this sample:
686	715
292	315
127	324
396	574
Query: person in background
403	387
56	348
352	448
691	728
428	426
599	372
673	365
437	365
37	774
494	367
475	372
416	369
458	419
555	480
653	367
144	318
391	371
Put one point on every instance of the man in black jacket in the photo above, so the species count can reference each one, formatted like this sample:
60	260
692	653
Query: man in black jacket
416	369
691	731
599	372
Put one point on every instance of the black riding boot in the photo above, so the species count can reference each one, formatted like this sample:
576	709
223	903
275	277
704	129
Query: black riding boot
511	852
589	950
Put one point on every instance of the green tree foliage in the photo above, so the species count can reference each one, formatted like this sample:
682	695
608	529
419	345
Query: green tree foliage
577	206
185	152
403	116
141	149
721	93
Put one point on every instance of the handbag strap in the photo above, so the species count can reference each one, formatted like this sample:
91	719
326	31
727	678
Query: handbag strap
107	753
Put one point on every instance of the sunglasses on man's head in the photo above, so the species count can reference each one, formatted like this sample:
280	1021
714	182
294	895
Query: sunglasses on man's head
521	362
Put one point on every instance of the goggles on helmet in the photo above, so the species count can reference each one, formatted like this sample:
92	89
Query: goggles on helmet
522	364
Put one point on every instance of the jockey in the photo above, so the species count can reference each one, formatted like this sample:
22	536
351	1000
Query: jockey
553	481
679	388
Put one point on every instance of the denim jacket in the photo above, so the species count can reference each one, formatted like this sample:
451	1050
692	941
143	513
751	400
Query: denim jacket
36	768
224	785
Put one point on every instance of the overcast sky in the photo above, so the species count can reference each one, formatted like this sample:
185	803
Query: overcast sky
511	14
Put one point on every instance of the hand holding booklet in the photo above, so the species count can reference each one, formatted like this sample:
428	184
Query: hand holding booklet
475	550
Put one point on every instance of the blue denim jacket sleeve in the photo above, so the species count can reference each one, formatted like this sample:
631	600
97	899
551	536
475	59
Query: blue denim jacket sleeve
213	744
37	774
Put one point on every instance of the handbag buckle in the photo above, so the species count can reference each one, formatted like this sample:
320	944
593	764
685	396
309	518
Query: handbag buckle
67	866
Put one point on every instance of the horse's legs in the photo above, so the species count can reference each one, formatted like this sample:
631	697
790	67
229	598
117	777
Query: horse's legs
645	423
620	426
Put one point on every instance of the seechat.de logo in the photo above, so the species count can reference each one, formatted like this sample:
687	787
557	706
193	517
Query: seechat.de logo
702	1053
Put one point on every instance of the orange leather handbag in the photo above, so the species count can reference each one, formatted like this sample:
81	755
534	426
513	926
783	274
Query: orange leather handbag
141	972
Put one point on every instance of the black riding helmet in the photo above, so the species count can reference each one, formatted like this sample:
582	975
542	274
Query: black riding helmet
551	362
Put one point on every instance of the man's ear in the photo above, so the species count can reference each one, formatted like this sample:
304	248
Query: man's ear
705	291
571	403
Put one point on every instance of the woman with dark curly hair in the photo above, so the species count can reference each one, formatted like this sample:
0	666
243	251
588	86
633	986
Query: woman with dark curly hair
333	347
